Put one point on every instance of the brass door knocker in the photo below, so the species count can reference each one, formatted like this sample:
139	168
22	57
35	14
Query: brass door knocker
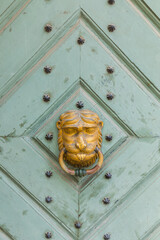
79	140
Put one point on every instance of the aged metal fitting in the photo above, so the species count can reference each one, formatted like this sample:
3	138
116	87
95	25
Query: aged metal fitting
108	175
77	224
48	235
106	200
80	40
48	27
48	199
111	2
48	174
110	96
80	172
49	136
108	138
77	129
47	69
106	236
79	104
46	98
110	70
111	28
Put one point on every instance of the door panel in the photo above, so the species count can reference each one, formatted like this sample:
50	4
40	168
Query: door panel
33	204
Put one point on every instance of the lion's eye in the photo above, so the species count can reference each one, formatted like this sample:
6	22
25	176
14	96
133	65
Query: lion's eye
70	130
90	130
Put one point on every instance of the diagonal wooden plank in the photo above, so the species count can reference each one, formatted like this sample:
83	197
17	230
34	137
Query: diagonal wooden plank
132	219
28	99
143	46
154	6
22	33
24	221
129	168
4	235
27	168
134	105
4	5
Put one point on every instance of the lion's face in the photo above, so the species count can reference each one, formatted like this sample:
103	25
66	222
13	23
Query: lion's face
80	134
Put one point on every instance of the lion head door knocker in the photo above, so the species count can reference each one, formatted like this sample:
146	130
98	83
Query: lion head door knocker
79	141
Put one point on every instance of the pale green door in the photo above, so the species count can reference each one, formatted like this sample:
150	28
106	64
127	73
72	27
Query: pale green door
115	71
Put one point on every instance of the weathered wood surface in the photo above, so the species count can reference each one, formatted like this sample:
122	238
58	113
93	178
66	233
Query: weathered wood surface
79	73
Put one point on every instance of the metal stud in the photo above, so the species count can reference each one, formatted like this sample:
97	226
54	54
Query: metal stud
49	136
48	174
48	199
110	70
110	96
80	40
111	28
111	2
108	138
80	104
46	98
108	175
47	69
106	200
77	224
107	236
48	27
48	235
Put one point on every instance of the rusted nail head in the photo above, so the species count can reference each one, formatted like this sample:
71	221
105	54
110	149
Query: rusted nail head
47	69
46	98
48	27
81	40
111	28
49	136
77	224
48	235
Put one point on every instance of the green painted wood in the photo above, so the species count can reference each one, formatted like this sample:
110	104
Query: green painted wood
132	103
4	5
29	35
23	221
134	36
28	99
154	5
28	167
133	219
79	73
129	168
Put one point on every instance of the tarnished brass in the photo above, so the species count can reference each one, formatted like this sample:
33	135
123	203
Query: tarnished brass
79	141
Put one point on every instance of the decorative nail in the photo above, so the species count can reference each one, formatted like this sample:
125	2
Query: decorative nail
81	40
108	175
48	174
108	138
49	136
106	200
48	27
80	104
111	28
110	70
48	199
110	96
46	98
77	224
47	69
48	235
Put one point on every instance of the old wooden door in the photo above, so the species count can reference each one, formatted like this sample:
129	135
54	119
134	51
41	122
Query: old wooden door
114	69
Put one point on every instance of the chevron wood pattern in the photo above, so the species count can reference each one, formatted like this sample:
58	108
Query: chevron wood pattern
79	72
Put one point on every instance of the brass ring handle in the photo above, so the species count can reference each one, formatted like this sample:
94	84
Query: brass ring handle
81	172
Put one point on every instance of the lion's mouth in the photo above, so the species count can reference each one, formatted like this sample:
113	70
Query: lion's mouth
81	156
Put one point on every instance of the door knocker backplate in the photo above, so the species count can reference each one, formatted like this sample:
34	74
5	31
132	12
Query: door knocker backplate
79	140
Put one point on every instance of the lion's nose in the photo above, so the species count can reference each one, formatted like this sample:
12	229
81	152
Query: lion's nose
80	143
